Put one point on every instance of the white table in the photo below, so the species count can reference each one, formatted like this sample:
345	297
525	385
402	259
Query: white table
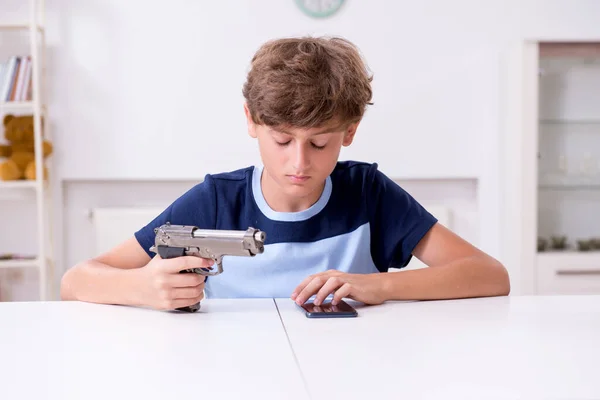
504	348
232	349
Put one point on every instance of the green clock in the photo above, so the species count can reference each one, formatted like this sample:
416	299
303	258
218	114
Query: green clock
319	8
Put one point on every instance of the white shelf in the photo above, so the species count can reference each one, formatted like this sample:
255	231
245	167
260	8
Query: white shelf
569	259
19	27
29	263
16	105
569	122
552	181
18	185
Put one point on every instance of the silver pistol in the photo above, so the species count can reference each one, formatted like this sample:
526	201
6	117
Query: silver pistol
173	241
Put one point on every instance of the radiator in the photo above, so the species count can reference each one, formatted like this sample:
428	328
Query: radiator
113	226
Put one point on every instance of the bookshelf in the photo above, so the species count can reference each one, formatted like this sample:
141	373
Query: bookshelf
32	104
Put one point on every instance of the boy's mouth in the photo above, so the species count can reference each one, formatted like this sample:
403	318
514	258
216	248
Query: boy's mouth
298	178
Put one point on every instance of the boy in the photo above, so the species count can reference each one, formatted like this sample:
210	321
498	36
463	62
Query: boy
332	227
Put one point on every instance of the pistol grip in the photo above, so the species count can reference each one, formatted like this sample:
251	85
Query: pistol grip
190	309
174	252
170	252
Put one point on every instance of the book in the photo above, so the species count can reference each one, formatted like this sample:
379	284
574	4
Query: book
15	79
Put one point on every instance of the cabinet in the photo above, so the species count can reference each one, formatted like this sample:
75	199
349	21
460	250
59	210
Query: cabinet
568	168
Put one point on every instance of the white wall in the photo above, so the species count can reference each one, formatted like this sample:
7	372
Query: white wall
141	92
168	85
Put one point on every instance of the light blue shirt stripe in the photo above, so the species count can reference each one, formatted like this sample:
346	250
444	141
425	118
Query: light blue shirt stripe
287	216
282	266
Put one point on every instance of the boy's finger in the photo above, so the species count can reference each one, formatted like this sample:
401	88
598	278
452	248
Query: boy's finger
178	303
342	292
186	280
188	292
188	262
329	287
301	286
311	288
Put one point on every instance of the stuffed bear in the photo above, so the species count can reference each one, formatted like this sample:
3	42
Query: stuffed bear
20	163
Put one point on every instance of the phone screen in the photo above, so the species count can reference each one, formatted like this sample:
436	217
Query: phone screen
328	310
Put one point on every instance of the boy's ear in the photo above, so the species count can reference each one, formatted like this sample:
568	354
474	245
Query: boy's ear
349	134
250	122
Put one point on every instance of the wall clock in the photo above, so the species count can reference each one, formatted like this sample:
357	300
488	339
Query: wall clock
319	8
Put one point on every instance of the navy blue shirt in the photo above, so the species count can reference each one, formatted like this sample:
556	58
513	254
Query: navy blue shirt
363	222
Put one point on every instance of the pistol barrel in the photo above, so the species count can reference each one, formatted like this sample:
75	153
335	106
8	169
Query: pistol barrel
224	234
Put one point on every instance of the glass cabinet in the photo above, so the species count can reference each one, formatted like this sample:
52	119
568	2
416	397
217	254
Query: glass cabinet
568	166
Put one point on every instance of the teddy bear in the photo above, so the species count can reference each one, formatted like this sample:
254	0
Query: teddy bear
19	152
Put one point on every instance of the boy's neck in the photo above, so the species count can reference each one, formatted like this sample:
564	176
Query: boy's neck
281	202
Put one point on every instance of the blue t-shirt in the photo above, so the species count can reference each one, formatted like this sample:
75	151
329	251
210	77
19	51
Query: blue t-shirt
362	223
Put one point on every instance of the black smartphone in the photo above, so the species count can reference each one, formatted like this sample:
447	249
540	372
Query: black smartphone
328	310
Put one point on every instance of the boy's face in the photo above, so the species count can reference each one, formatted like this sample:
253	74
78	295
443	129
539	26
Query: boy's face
298	160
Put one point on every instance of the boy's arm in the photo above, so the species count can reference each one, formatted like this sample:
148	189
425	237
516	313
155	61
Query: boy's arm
457	269
127	275
109	278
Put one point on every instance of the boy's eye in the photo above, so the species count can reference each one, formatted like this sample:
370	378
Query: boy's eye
313	145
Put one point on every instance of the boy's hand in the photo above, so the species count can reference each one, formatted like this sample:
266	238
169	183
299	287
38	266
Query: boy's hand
162	286
366	288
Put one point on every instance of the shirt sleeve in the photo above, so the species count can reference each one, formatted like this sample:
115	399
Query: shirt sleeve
397	221
197	207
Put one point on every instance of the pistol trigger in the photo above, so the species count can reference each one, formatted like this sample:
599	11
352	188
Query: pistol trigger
219	263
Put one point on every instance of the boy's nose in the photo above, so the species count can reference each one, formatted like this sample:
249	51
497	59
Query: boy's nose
301	161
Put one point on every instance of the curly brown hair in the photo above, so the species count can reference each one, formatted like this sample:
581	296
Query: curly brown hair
307	82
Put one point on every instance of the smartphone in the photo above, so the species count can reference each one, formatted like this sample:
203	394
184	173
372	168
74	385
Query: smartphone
328	310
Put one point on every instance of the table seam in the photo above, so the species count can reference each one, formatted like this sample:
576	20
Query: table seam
292	349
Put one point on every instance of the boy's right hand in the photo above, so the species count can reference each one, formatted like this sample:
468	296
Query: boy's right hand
162	287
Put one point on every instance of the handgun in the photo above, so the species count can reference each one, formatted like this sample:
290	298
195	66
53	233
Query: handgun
173	241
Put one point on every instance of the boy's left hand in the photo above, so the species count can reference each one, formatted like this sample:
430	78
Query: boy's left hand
366	288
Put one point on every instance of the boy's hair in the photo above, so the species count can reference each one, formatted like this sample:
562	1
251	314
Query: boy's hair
307	82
